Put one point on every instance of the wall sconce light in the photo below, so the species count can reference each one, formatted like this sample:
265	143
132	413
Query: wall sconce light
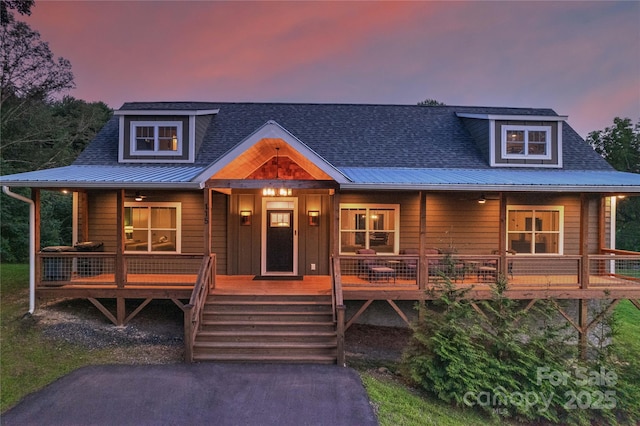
245	217
139	196
482	199
314	217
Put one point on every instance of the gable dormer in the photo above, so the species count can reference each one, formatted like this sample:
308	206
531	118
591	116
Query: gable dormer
161	136
517	140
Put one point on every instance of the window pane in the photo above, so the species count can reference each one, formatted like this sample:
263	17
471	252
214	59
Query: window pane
140	217
163	217
381	219
168	138
350	241
144	138
163	241
548	221
520	220
353	219
515	142
537	136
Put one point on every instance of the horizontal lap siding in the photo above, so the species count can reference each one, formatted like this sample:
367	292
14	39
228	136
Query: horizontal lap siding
409	211
571	205
457	222
102	217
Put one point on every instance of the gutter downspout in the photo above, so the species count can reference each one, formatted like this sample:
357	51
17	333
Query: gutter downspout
32	243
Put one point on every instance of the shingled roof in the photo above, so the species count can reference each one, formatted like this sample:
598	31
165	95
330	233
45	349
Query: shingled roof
350	135
372	146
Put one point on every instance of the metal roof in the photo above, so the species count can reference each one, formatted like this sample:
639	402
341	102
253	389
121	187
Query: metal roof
108	177
361	178
492	180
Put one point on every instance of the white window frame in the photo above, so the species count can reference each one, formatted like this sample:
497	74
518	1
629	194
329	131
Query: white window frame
156	151
150	230
367	207
534	232
526	129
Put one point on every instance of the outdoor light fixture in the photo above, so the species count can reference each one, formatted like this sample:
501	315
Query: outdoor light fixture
482	199
245	217
139	196
277	192
314	217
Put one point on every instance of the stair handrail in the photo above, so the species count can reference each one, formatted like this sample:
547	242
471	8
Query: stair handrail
339	308
204	285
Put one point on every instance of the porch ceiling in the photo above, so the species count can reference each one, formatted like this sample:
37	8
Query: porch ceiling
263	151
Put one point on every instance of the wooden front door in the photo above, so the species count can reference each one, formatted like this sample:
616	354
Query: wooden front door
279	245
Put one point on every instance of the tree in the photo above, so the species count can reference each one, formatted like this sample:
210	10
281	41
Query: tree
620	146
38	130
431	102
23	7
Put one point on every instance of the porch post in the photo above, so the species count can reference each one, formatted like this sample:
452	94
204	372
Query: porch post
207	222
120	272
502	235
584	242
35	197
423	274
335	226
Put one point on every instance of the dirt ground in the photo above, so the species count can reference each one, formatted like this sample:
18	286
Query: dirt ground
155	335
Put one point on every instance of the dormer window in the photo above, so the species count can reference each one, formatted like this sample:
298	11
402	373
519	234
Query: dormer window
526	142
156	137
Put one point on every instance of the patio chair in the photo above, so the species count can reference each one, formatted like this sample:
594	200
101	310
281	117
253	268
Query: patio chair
372	267
410	266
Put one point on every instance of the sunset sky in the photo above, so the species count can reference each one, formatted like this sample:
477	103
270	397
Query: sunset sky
580	58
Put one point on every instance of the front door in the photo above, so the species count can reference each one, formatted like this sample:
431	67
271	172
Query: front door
279	242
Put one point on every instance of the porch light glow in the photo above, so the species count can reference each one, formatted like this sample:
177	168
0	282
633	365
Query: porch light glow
139	197
314	217
482	199
245	217
277	192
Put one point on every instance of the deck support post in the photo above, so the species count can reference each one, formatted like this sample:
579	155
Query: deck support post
583	318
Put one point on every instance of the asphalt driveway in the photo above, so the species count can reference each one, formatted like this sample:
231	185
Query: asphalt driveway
199	394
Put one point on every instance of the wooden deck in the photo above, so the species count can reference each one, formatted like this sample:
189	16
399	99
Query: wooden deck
179	286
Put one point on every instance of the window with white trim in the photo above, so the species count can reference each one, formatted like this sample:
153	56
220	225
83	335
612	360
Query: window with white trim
535	229
156	138
529	142
369	226
152	227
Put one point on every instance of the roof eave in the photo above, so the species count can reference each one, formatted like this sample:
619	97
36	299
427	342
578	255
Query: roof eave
490	188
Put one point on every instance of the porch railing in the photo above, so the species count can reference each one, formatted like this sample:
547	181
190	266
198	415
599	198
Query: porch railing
339	308
204	286
616	268
100	268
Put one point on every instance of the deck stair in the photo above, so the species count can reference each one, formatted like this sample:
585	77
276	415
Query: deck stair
267	328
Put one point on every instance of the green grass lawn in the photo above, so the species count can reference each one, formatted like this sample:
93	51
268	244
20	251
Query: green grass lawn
28	360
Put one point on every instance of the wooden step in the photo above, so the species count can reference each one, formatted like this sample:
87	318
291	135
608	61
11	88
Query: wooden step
266	336
306	359
272	328
267	316
267	325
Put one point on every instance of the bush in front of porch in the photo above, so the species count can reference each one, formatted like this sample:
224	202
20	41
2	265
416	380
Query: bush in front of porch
496	357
